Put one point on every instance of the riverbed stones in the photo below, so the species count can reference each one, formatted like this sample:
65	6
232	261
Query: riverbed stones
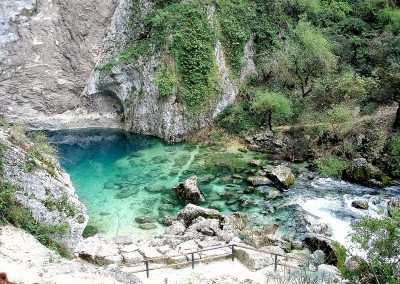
189	190
281	176
362	172
259	180
315	226
360	204
147	226
145	219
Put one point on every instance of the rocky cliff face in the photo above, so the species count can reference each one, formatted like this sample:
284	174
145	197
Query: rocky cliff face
48	78
48	49
42	186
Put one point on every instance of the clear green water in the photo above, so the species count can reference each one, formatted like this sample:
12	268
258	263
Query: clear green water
118	176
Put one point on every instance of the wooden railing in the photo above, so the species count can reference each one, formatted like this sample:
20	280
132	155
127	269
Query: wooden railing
192	260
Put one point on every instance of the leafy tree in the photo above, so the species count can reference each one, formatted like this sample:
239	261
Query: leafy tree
386	54
307	57
272	104
380	239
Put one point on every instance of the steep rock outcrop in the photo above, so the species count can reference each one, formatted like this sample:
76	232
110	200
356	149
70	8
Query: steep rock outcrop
48	50
48	81
43	187
134	84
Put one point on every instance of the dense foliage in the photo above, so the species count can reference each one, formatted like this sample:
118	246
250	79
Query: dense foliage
380	240
327	65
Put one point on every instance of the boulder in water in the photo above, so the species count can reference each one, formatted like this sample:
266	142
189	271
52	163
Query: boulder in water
362	172
281	176
189	190
393	204
360	204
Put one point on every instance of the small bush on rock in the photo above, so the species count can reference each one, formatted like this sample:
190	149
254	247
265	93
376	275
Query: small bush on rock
330	165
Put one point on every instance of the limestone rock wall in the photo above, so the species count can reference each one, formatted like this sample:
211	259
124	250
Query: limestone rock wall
48	49
49	80
48	195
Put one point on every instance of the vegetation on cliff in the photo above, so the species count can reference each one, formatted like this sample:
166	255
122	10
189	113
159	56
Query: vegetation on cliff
337	62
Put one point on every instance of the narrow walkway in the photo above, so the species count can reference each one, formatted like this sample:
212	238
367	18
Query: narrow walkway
204	272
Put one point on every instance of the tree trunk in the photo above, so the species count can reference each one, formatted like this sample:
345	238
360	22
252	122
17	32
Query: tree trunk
396	124
270	120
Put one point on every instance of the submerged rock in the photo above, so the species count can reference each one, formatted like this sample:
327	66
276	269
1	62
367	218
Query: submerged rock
145	219
189	190
259	180
281	176
147	226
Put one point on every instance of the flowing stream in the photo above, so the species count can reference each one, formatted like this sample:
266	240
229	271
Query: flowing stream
120	176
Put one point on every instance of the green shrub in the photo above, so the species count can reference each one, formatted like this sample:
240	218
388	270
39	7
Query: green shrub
394	154
330	166
380	239
273	107
166	80
61	204
340	254
340	114
90	231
